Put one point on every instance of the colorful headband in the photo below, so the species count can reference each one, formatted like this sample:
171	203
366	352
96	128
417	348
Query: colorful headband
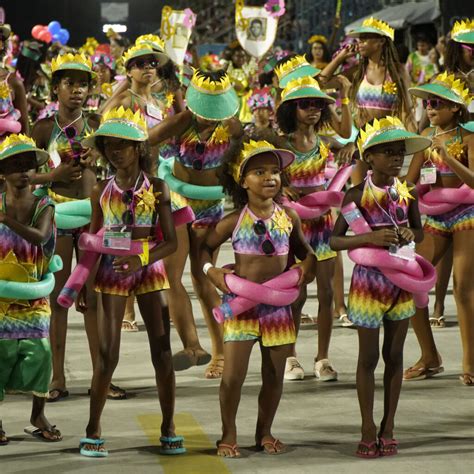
317	39
261	98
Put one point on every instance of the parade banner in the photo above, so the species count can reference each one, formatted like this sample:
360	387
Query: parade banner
176	29
256	27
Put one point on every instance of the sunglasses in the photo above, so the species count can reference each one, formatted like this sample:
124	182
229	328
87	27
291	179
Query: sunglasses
75	145
143	63
394	196
434	104
199	149
261	229
127	216
305	104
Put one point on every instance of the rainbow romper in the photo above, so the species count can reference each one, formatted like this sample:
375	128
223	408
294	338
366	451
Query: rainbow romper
60	151
147	279
272	325
25	352
372	296
308	170
198	155
462	217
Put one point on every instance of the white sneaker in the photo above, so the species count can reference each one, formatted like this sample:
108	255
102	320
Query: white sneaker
323	370
293	369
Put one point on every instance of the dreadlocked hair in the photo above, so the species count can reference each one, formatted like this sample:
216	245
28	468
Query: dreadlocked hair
392	64
454	60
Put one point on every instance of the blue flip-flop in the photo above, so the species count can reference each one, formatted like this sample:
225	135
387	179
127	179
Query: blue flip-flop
90	453
166	442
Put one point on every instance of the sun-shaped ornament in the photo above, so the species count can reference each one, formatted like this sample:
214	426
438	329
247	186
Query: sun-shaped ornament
455	149
281	223
390	88
221	135
147	199
13	270
404	192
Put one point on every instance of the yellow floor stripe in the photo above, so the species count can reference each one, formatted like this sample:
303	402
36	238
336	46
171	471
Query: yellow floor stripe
196	441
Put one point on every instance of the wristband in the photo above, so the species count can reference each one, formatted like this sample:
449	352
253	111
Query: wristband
345	101
145	255
206	267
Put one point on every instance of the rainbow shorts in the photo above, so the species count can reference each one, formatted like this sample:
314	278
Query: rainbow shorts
272	325
208	213
317	233
145	280
373	297
461	218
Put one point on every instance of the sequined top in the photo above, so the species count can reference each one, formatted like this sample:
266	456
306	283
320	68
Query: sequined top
203	155
114	202
454	148
308	169
376	200
382	96
21	319
278	227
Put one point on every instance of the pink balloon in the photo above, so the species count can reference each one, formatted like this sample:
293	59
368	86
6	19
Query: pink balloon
36	30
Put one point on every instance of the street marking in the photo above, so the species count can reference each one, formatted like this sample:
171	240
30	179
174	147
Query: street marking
195	461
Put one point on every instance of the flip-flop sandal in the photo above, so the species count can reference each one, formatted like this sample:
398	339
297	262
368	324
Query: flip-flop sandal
437	323
129	326
371	450
167	442
385	444
121	394
233	448
40	433
345	321
90	453
422	373
61	395
273	444
215	369
467	380
306	320
3	438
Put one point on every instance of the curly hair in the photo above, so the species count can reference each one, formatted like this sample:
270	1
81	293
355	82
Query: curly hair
236	192
286	117
392	65
145	160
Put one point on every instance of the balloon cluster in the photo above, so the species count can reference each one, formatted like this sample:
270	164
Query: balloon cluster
52	32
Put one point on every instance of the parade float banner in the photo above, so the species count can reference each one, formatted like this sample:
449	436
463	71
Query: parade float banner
176	29
256	27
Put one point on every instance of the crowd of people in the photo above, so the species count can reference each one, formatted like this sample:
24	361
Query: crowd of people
120	162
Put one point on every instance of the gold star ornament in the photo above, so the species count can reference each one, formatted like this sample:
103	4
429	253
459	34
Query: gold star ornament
404	192
147	199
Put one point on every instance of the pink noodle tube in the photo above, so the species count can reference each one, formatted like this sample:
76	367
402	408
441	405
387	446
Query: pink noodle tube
93	242
316	204
279	291
417	277
440	200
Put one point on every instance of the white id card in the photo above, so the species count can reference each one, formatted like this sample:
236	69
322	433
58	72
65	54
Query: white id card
117	240
405	252
428	175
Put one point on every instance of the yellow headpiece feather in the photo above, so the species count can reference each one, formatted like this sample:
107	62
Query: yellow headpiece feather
461	27
300	83
455	85
290	66
318	38
210	86
384	28
250	149
16	139
376	127
153	40
121	114
59	61
131	52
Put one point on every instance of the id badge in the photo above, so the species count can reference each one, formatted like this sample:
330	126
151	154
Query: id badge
154	111
428	175
405	252
115	239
